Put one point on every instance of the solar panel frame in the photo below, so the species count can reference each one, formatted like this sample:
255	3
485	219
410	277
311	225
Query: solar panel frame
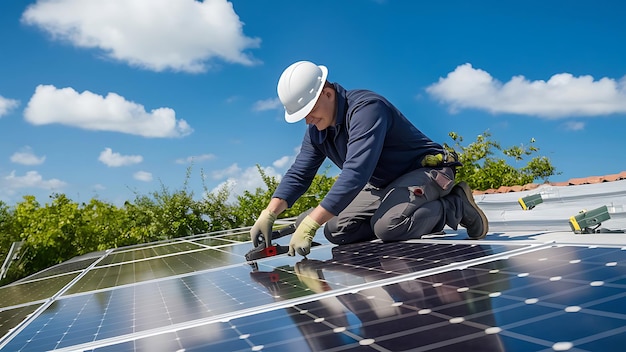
285	303
264	326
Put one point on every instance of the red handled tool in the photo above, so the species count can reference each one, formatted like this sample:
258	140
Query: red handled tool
264	250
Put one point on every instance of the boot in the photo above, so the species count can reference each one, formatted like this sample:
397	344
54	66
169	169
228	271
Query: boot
473	219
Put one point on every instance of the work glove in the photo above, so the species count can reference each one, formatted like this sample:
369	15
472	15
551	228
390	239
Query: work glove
263	225
310	276
433	160
301	239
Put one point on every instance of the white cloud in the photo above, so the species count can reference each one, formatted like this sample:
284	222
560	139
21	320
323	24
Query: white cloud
232	99
181	35
239	180
563	95
268	104
6	105
283	162
195	159
27	157
574	125
94	112
143	176
110	159
32	179
232	170
246	180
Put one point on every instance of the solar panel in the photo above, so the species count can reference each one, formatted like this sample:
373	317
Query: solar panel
503	304
198	293
33	291
9	318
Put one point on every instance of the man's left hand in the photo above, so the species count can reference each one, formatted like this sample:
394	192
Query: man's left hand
301	239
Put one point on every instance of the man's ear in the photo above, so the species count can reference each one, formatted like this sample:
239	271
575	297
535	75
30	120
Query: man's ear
329	92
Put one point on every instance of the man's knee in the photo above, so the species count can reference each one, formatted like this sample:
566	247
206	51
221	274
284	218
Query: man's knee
330	228
334	239
390	229
402	226
347	233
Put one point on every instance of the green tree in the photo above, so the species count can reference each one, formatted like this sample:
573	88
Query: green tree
250	204
139	217
177	214
22	214
164	214
484	167
49	232
317	191
221	215
63	229
8	233
103	226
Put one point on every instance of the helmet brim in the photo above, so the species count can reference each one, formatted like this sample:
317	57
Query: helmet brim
300	114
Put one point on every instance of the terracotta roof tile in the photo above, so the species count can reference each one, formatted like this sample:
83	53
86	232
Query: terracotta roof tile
578	181
503	189
529	186
611	178
570	182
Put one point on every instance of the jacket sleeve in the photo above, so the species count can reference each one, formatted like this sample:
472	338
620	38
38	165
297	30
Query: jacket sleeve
301	173
368	126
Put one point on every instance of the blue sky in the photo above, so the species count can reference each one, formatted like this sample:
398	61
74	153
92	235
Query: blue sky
111	98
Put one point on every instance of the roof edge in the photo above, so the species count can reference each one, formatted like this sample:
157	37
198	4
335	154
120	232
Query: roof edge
570	182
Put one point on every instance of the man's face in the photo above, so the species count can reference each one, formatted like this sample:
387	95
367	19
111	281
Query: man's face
323	113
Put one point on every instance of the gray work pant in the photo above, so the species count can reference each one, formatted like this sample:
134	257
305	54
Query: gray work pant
411	206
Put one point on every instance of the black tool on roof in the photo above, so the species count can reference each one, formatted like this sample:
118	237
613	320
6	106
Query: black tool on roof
264	250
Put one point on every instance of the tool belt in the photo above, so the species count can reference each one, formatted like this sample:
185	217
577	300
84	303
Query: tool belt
447	158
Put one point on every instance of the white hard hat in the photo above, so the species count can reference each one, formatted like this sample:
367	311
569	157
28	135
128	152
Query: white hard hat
299	87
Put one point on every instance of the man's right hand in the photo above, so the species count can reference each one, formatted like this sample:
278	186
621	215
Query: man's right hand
263	225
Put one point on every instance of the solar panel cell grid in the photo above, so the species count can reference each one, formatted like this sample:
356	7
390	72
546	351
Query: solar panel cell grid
33	291
225	291
9	318
125	273
213	242
488	307
153	251
63	268
420	296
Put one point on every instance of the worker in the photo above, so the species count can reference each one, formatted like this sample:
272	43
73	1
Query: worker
395	183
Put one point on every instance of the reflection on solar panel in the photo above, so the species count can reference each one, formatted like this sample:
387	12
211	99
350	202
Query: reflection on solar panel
198	293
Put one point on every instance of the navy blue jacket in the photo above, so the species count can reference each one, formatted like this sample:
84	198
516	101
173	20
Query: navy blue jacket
371	142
